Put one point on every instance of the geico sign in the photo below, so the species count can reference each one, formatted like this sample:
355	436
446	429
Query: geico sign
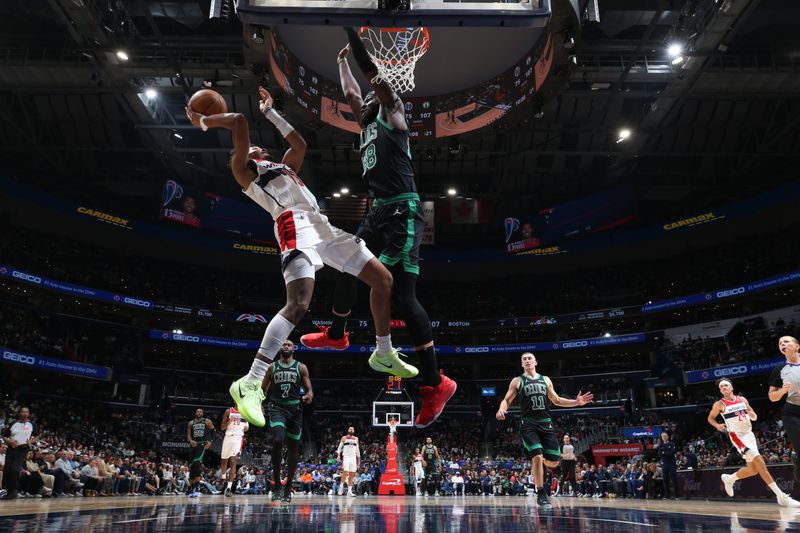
476	349
134	301
187	338
26	277
19	358
575	344
730	292
720	372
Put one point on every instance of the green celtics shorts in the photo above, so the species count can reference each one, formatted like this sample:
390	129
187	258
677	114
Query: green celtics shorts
539	438
393	228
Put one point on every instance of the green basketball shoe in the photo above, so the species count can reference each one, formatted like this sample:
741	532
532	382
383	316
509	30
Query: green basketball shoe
392	364
248	396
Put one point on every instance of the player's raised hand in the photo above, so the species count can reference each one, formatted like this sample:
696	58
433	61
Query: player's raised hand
501	414
194	118
343	53
266	100
583	399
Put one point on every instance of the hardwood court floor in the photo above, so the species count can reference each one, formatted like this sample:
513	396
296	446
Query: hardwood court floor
390	514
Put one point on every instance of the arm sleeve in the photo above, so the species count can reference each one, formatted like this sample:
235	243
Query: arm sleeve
775	379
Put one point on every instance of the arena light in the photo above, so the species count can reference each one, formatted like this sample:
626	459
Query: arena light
606	334
122	55
675	50
624	134
151	93
337	195
345	190
677	61
451	192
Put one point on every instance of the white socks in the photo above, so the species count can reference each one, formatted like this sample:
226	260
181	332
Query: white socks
384	344
774	487
258	370
278	330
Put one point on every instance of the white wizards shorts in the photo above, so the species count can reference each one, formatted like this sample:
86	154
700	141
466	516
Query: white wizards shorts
745	444
419	473
349	464
232	447
308	241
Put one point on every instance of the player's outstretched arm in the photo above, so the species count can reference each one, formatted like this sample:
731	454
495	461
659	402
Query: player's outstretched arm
716	409
296	154
350	88
389	100
240	130
513	387
581	399
750	411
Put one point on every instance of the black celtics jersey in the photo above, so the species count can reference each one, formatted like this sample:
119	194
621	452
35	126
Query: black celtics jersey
386	160
200	430
429	453
533	401
285	382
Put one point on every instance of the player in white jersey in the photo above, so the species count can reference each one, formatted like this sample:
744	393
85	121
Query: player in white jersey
737	416
350	457
307	241
418	470
234	427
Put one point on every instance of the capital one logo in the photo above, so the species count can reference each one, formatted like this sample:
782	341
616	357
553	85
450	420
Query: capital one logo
736	370
730	292
19	358
392	482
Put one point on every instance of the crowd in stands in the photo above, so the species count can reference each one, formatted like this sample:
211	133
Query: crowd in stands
185	284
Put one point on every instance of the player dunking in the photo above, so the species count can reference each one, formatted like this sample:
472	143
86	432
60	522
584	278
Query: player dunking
350	457
307	241
234	427
198	433
737	416
536	425
394	226
785	381
282	384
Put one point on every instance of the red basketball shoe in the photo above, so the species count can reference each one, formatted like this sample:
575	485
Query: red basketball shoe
433	401
321	340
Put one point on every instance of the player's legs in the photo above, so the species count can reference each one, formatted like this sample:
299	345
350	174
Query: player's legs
293	434
232	470
223	464
298	271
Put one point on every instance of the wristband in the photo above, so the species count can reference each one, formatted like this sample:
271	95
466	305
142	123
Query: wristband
283	127
203	124
341	59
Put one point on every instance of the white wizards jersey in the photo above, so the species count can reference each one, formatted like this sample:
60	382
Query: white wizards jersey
278	188
418	461
348	446
236	425
735	414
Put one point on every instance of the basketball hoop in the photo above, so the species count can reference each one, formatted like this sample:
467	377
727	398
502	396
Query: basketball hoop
395	51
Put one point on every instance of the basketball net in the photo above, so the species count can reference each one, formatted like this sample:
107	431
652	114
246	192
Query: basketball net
395	51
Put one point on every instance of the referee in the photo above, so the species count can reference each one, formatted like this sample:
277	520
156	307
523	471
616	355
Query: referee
567	467
19	438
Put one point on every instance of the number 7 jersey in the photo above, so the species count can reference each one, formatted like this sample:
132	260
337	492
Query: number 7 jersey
285	383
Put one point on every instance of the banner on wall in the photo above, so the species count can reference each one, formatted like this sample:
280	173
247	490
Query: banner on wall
761	366
59	366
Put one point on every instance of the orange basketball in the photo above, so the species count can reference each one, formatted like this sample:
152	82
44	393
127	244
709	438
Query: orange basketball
208	102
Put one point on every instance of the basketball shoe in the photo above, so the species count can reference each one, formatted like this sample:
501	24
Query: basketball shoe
248	396
785	500
321	340
728	481
433	401
392	364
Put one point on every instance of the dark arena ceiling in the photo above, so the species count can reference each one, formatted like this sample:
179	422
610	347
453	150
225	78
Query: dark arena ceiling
722	124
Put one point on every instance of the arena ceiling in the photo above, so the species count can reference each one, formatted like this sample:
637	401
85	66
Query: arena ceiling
723	123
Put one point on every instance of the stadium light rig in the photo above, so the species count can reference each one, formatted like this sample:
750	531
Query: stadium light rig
122	55
624	134
675	50
151	93
345	190
451	192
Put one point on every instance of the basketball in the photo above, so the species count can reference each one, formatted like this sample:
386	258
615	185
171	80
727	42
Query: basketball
208	102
